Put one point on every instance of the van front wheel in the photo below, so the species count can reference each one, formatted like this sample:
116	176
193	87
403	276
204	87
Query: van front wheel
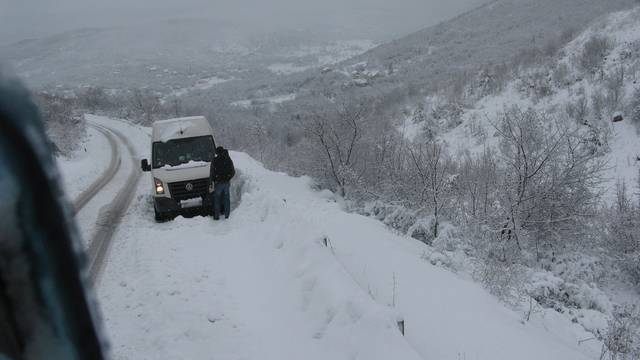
158	216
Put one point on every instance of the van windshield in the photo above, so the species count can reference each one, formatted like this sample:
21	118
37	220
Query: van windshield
181	151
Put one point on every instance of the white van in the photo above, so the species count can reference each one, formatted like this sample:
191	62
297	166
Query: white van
182	150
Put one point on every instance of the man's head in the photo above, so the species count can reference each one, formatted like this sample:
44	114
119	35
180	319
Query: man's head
219	150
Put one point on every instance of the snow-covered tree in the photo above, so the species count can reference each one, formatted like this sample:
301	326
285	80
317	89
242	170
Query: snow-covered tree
594	53
337	132
549	180
433	170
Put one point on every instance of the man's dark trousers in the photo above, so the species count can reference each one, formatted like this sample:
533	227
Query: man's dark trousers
221	198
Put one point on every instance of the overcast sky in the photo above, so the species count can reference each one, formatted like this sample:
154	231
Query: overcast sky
20	19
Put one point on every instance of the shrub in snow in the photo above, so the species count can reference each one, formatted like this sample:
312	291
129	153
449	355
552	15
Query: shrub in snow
449	238
589	297
437	258
543	285
622	339
577	268
552	291
504	280
422	230
593	321
582	274
394	216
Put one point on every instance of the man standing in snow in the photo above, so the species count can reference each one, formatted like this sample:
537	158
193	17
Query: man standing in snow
222	171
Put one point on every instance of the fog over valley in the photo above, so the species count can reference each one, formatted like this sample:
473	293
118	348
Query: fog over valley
374	19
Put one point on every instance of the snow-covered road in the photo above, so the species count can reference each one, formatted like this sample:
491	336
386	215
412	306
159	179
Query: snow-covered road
106	174
101	189
262	285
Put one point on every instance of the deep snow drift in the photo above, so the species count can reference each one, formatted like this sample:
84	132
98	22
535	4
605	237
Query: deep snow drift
263	285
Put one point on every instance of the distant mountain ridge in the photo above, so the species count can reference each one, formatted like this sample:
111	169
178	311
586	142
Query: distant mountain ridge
492	33
175	55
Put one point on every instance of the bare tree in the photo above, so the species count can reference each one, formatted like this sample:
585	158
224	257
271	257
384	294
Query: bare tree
614	84
338	132
550	177
145	103
477	184
433	170
258	132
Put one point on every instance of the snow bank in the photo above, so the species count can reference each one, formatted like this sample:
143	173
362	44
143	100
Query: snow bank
249	286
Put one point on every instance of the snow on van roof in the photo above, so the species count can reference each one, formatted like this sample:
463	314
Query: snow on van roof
165	130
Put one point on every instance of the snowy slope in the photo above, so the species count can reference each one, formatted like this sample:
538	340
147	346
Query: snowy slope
490	34
623	30
262	285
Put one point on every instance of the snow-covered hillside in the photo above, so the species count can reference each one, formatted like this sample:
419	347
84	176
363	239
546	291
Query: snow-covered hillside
593	92
494	33
291	275
565	90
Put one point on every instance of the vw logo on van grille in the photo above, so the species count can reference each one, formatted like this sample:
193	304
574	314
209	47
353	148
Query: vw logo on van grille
189	187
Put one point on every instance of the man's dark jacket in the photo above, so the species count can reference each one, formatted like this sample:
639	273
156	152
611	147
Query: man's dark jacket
222	169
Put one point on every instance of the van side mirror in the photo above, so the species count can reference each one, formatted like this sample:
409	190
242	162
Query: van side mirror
144	164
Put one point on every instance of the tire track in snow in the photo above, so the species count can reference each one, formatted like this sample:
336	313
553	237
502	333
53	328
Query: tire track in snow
111	216
107	175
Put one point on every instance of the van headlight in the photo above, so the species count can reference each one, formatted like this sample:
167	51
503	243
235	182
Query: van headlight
159	186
